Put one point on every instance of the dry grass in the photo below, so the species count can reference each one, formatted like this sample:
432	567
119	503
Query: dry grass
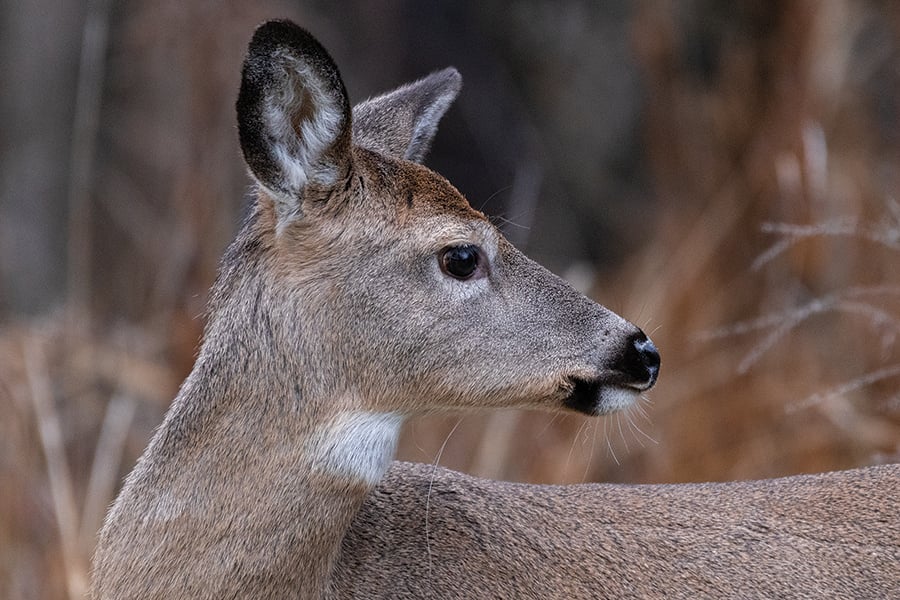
77	412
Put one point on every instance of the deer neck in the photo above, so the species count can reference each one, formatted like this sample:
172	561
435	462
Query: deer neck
271	467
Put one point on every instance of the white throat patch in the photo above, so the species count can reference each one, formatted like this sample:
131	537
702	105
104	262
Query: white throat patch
359	445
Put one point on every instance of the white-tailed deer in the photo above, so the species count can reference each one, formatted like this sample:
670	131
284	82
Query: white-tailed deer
363	289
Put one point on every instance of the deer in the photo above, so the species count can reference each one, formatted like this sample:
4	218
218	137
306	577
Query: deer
363	289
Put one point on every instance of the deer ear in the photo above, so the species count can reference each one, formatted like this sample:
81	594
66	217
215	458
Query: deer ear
402	123
294	117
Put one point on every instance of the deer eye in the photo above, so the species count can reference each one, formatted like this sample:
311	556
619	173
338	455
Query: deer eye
460	262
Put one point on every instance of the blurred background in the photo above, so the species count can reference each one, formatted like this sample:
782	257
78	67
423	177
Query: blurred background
722	174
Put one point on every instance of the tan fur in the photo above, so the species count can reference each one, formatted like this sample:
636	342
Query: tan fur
333	320
835	535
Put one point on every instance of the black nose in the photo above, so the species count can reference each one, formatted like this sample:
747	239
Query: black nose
641	361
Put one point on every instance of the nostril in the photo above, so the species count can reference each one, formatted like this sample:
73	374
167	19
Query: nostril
647	351
647	356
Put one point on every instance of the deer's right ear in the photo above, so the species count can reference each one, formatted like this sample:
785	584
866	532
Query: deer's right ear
294	117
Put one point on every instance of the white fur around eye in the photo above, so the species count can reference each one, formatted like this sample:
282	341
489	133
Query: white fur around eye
460	290
475	233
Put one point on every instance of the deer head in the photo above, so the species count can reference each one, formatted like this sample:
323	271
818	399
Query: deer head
382	285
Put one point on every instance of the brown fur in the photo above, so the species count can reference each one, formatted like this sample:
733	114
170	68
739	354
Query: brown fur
835	535
332	320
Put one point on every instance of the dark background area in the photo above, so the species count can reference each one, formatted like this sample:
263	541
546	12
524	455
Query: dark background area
723	174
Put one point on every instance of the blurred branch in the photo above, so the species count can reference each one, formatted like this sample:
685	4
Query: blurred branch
846	301
884	234
781	323
853	385
493	453
523	201
84	140
107	457
50	431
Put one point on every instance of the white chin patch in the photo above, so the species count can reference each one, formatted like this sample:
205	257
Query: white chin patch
357	445
615	398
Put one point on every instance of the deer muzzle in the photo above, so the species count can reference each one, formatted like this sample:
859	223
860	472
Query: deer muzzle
634	371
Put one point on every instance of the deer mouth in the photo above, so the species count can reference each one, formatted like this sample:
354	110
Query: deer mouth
596	397
621	383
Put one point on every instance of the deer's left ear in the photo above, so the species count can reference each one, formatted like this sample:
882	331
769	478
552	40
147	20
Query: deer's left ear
293	114
402	123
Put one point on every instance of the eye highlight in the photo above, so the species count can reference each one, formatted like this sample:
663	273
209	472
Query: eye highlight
461	262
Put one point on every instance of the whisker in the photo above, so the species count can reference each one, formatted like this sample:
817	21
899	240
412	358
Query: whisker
549	424
574	442
642	411
608	443
511	222
587	466
643	433
631	426
434	467
494	195
621	433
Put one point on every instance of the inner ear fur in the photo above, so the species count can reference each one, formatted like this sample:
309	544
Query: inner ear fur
294	117
402	123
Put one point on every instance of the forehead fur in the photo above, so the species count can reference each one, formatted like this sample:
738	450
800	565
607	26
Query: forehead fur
409	190
383	199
